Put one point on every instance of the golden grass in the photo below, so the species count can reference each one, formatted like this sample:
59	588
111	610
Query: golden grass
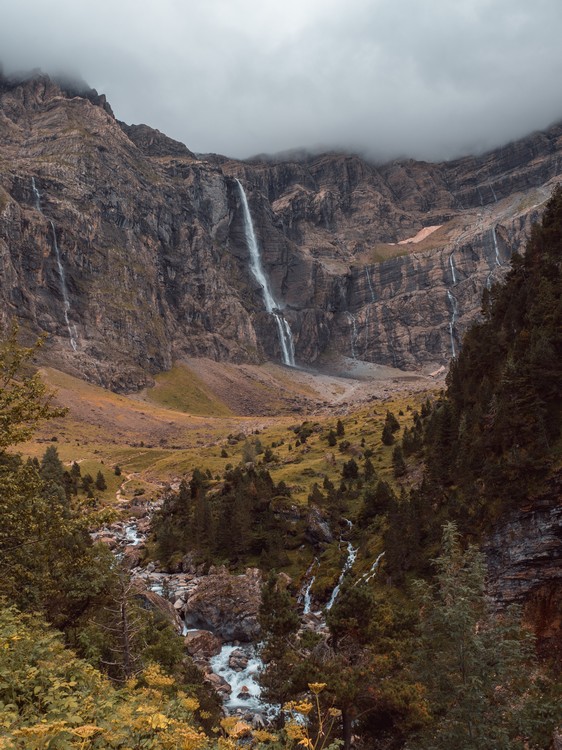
182	390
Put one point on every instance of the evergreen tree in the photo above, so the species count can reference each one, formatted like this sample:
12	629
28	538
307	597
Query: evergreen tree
387	437
52	469
100	483
398	463
392	422
475	666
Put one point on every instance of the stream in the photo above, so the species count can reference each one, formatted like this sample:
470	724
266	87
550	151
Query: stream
237	665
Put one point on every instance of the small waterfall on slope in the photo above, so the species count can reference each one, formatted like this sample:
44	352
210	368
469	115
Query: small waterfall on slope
304	596
64	291
37	195
351	557
366	577
283	328
496	248
370	284
453	269
494	194
353	322
454	312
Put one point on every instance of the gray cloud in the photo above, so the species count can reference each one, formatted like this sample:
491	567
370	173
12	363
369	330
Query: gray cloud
385	77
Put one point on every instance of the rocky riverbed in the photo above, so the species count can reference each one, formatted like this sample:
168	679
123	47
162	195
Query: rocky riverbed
216	612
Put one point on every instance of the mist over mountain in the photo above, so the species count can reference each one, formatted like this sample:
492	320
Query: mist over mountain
387	79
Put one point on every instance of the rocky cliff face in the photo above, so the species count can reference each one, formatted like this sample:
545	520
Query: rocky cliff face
130	251
524	556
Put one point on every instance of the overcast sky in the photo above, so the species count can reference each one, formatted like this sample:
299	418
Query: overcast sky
423	78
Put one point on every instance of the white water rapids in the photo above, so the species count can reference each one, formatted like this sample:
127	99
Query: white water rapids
246	691
256	267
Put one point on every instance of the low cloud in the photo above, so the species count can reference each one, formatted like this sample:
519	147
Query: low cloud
387	78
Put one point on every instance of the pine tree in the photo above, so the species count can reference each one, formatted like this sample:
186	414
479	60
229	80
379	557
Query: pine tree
100	483
475	666
398	463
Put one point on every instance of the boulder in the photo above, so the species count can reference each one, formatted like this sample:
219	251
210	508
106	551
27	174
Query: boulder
132	555
238	660
152	600
220	684
317	528
202	643
227	605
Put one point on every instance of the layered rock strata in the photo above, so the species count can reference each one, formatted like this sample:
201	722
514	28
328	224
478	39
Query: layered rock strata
151	242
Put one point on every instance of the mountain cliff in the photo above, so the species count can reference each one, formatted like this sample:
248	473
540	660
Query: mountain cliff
131	252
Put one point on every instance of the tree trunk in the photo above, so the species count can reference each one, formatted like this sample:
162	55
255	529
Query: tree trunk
346	721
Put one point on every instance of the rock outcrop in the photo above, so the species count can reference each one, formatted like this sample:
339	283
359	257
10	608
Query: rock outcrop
524	556
227	605
151	261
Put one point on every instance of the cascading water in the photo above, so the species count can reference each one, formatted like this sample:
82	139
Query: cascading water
366	577
454	313
285	335
353	322
64	291
351	557
496	248
453	269
37	194
370	284
304	597
65	300
494	194
246	691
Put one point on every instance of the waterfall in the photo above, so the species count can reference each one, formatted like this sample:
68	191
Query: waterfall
37	194
353	322
496	248
304	595
369	282
454	312
283	328
453	269
65	300
366	577
307	599
64	291
494	193
351	557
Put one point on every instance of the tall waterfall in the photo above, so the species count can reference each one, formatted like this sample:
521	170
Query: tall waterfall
283	328
353	322
370	284
454	313
496	248
453	269
64	290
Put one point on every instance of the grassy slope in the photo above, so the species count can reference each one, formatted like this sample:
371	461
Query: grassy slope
154	444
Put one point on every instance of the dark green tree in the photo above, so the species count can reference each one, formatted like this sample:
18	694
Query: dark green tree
475	665
100	482
398	463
